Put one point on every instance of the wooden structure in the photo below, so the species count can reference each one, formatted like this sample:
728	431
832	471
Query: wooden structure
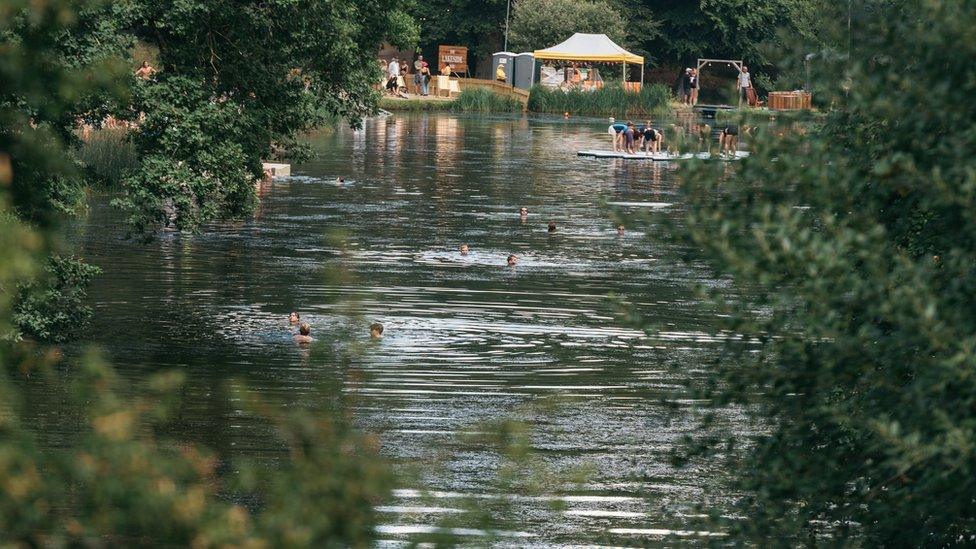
736	63
455	56
790	101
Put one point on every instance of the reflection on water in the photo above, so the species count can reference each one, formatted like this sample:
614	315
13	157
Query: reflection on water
468	339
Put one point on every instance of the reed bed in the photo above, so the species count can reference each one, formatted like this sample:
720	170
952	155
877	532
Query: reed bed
107	155
609	100
484	100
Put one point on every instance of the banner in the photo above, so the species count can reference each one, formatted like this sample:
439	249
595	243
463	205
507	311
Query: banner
456	56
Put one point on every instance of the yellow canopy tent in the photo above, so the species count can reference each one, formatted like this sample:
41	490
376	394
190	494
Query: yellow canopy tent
593	48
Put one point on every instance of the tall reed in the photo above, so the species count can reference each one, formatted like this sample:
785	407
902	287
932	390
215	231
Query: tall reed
485	100
107	155
609	100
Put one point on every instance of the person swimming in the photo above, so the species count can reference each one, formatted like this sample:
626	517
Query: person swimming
463	249
293	318
523	212
376	330
303	336
512	260
552	227
620	230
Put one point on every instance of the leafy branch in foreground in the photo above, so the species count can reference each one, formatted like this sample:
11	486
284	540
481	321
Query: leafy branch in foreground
853	247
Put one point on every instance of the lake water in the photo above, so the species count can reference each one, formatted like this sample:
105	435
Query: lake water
468	339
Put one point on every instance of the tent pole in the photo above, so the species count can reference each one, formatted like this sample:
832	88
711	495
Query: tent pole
642	75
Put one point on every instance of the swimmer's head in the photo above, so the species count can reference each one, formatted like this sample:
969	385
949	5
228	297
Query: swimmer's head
523	211
464	249
620	229
293	317
375	330
512	260
340	180
304	329
552	227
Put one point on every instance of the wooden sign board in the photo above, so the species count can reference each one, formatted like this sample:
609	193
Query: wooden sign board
456	56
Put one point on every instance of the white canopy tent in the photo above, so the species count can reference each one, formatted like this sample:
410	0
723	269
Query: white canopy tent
591	47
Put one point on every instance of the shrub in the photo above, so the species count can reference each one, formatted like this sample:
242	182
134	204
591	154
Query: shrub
485	100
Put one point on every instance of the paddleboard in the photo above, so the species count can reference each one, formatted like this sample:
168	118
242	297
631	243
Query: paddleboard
660	157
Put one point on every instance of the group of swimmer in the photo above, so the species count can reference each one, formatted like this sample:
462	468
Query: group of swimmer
631	139
304	335
513	259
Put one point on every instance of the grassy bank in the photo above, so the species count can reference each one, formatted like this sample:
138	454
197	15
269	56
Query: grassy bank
610	100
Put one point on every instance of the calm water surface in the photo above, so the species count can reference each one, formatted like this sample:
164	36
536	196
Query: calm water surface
468	339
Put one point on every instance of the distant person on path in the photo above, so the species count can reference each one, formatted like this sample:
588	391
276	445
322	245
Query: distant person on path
425	79
447	70
402	79
392	72
694	88
744	84
616	132
376	330
303	337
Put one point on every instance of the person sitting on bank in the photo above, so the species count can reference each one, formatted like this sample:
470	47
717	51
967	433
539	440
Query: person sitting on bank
376	330
303	336
500	74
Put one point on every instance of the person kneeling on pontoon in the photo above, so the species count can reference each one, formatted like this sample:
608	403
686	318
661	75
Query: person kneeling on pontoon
651	138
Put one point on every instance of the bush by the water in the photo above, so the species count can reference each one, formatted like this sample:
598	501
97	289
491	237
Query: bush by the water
609	100
485	100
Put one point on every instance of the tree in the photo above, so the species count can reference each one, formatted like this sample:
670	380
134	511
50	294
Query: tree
538	24
478	25
852	243
237	82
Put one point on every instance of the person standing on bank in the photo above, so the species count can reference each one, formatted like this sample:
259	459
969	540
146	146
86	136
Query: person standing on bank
744	84
392	72
418	67
694	87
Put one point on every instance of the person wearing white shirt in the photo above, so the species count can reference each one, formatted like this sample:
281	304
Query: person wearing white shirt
392	72
744	83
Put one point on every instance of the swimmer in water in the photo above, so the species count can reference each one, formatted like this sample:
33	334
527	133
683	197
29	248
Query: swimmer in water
376	330
293	318
620	230
523	212
303	336
464	249
340	180
512	260
552	227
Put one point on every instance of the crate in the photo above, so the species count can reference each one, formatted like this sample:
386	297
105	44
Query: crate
789	101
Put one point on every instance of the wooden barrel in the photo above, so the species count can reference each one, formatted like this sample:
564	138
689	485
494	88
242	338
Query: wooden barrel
790	101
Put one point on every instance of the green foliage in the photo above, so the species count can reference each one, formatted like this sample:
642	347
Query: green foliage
853	244
235	80
477	24
537	24
52	308
484	100
609	100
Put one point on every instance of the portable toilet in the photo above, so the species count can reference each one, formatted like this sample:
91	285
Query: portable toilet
505	60
525	71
